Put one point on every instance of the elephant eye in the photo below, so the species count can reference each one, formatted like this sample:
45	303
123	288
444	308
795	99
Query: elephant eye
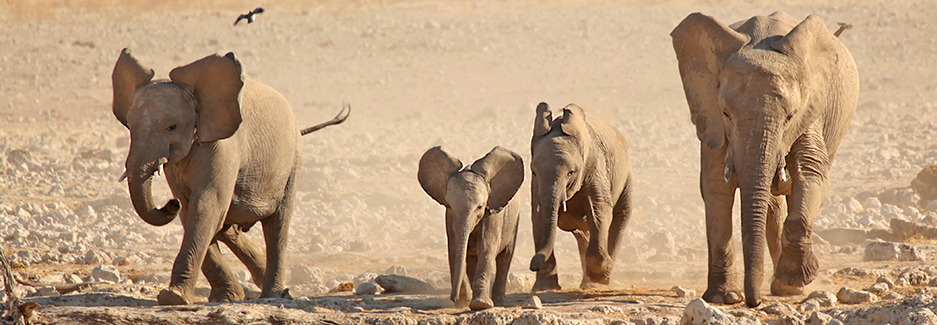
789	117
726	114
171	128
570	173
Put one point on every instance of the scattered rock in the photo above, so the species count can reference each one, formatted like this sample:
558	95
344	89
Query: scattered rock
699	312
302	274
685	293
47	291
393	283
345	287
904	229
107	273
825	298
914	277
398	270
606	309
366	277
879	250
779	309
925	184
811	304
892	296
878	288
532	303
367	288
850	296
818	318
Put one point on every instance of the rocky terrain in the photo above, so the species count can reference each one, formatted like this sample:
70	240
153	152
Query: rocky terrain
465	75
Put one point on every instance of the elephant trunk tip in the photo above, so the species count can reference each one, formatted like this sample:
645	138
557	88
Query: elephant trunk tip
537	261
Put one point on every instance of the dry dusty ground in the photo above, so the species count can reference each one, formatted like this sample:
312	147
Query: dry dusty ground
462	74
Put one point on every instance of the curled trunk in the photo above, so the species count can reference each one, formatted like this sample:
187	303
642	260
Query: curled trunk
140	183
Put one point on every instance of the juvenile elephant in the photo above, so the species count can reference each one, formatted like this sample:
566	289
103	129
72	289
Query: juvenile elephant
771	99
481	220
580	182
231	150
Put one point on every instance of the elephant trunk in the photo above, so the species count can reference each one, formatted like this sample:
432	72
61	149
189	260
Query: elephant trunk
755	180
458	246
140	180
549	216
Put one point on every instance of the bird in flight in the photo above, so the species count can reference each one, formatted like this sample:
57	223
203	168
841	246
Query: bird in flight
249	16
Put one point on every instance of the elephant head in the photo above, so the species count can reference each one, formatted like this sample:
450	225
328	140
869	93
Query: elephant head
755	98
166	118
481	189
559	160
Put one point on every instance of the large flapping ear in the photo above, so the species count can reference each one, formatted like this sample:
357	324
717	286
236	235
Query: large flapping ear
543	120
573	122
702	44
811	43
504	171
129	74
217	82
436	166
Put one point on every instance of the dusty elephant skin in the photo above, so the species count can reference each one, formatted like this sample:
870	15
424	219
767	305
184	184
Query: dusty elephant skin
481	220
771	99
231	150
581	183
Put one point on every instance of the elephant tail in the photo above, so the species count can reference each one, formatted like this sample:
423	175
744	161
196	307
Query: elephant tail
341	117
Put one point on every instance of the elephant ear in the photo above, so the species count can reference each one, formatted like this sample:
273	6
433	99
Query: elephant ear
504	171
702	45
217	82
810	43
129	74
573	122
543	120
436	166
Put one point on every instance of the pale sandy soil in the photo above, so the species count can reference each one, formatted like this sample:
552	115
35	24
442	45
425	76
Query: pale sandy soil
462	74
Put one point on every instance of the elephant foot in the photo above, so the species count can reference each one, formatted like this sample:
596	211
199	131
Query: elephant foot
284	294
481	303
172	296
500	300
723	295
461	303
794	272
228	293
781	288
549	283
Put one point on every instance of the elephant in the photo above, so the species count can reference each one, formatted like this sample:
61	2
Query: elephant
771	99
481	220
581	182
231	150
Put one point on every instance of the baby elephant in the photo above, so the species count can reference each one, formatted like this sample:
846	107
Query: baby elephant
481	219
580	182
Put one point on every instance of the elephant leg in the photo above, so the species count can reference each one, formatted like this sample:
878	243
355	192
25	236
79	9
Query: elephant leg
247	251
224	284
777	211
276	231
499	289
485	269
188	262
797	266
718	197
620	217
582	241
598	262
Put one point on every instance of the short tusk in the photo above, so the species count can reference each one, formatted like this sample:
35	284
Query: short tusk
564	206
122	176
728	173
538	208
159	171
783	175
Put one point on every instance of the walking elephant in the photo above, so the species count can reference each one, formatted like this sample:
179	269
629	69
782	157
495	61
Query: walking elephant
771	99
481	220
231	151
580	182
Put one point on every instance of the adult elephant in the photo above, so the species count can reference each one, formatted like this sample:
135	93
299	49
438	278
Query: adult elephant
580	182
231	150
771	99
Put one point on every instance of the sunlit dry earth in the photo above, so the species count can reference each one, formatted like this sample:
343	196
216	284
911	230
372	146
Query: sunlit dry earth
465	75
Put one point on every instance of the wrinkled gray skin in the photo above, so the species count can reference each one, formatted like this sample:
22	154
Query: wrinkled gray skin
481	220
771	99
581	183
231	150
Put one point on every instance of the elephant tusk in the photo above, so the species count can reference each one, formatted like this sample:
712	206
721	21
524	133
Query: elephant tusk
159	171
538	208
728	173
783	175
122	176
564	205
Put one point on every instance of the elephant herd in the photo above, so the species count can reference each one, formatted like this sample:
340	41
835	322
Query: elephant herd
770	97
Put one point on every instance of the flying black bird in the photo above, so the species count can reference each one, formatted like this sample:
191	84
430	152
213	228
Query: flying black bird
249	16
